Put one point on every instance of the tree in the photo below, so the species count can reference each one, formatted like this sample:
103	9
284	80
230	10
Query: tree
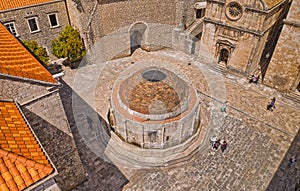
39	52
68	45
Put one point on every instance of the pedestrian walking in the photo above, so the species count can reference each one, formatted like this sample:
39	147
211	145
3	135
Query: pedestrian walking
252	78
217	144
271	105
255	79
224	146
212	140
223	108
292	160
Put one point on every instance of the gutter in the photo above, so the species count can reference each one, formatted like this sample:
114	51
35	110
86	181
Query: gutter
30	79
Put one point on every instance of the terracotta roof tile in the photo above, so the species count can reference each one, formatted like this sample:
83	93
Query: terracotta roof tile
1	181
16	60
3	187
19	167
10	4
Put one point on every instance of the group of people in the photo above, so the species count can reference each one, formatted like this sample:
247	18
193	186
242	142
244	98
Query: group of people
216	144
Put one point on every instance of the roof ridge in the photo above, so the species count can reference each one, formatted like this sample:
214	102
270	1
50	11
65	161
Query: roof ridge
26	161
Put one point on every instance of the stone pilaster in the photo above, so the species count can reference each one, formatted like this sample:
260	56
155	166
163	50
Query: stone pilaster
283	71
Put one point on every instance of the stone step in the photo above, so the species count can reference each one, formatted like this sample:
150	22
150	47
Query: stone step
126	155
220	68
294	96
194	25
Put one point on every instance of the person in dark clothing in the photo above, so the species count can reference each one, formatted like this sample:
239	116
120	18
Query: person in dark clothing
224	146
252	78
292	161
217	144
255	79
271	106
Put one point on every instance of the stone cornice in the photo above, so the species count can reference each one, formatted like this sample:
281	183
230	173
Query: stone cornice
266	12
236	28
216	1
291	23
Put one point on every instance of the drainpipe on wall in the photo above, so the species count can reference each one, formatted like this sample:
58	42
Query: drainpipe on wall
68	15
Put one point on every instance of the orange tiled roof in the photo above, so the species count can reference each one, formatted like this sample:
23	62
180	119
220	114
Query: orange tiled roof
10	4
22	161
16	60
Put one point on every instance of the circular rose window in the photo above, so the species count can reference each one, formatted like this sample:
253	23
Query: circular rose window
234	11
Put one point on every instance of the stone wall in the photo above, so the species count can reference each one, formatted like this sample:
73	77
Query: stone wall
49	122
46	34
21	90
188	11
117	44
283	71
100	19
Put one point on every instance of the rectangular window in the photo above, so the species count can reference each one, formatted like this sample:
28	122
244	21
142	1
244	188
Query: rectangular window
33	25
11	27
53	20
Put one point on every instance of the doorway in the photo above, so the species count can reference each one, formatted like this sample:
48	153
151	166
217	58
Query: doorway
137	36
224	55
200	13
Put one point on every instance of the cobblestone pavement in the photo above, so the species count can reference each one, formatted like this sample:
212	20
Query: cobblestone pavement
260	142
248	164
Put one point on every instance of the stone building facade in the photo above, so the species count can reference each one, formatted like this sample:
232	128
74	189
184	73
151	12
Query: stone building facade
97	19
41	22
242	37
236	33
284	69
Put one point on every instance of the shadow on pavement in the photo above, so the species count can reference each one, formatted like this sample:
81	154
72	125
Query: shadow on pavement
101	174
285	178
61	150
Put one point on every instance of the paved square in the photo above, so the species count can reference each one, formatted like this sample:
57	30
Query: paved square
260	141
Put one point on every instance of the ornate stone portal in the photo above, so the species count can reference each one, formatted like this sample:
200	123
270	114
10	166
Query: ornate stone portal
154	109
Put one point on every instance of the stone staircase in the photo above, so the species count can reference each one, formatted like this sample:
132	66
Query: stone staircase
220	68
194	28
